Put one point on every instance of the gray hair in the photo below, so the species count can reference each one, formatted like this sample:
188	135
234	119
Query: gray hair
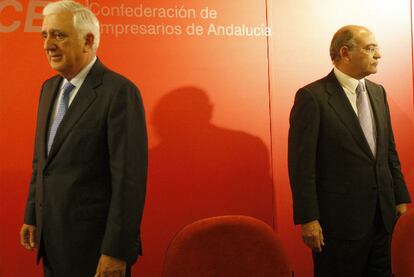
343	37
84	20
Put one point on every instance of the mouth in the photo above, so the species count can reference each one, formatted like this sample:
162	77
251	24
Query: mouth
55	57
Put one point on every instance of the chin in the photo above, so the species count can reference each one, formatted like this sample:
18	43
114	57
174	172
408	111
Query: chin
57	67
54	65
372	71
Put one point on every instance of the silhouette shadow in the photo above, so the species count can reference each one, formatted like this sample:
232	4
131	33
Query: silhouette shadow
199	170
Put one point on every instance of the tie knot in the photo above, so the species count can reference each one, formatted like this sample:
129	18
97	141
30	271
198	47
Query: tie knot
360	88
67	88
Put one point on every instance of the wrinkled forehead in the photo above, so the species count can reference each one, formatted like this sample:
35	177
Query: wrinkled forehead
58	21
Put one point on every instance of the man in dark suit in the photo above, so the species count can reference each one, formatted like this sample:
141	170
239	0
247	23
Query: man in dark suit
344	170
88	184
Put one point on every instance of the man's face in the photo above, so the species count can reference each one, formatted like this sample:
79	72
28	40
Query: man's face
65	50
364	57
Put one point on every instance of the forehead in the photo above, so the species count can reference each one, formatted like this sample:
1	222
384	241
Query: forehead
365	37
58	21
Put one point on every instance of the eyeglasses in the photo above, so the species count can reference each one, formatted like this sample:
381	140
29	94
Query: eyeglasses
371	49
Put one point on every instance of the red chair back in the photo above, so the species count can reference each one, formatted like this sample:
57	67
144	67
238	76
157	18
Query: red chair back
226	246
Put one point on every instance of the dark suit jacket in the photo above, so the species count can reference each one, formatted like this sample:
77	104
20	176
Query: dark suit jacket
87	196
334	176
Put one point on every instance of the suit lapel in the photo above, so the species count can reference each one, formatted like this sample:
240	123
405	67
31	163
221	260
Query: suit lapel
343	108
83	99
377	110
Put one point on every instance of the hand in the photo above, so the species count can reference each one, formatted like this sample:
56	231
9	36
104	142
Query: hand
110	267
401	209
312	235
28	236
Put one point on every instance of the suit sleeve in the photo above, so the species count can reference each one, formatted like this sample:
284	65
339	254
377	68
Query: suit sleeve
400	188
302	148
30	211
128	151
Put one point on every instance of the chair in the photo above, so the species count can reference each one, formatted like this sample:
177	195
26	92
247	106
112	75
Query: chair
227	246
402	246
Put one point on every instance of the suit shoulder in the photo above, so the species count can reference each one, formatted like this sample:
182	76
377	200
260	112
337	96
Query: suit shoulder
116	79
375	89
373	83
314	90
117	86
50	83
51	80
376	86
316	86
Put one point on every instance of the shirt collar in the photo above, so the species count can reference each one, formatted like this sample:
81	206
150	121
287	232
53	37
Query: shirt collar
77	81
347	81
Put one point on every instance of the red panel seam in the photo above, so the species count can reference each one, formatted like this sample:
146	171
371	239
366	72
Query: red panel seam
412	53
270	119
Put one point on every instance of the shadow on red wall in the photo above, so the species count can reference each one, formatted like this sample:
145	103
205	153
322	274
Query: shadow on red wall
199	170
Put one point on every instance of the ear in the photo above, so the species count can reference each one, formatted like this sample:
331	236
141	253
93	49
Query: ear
344	53
89	39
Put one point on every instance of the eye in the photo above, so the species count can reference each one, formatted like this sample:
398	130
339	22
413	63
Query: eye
59	35
44	35
371	49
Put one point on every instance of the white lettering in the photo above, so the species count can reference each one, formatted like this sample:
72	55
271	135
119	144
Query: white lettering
33	14
142	11
239	30
15	24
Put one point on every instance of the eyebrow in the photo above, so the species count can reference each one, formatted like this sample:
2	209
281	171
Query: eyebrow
50	31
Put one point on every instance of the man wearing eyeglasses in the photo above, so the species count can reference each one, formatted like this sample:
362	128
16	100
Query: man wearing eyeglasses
87	191
345	174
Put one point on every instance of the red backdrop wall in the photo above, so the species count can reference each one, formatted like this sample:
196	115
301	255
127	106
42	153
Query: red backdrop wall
217	105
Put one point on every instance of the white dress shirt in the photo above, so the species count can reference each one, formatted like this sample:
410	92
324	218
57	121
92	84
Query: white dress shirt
77	81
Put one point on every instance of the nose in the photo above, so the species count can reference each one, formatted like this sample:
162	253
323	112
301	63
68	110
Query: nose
49	44
377	54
